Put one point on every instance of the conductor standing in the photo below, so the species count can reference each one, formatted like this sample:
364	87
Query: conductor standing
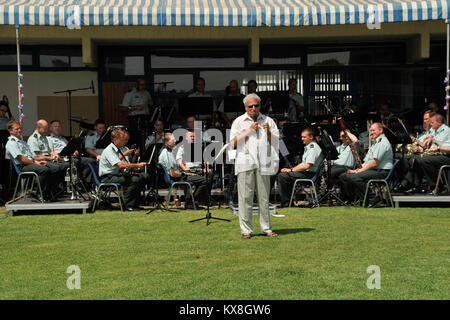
255	138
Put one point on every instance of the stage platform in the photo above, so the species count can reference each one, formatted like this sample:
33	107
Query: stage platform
31	205
419	199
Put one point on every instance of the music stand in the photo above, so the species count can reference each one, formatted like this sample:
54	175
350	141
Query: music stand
279	101
292	137
208	215
195	106
75	144
104	140
233	104
154	193
329	153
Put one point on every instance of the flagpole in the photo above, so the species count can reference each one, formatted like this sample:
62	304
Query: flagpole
447	102
19	76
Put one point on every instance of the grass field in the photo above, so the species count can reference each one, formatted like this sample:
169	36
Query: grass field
322	253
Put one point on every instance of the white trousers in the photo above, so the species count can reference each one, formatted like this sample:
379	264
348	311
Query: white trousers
248	181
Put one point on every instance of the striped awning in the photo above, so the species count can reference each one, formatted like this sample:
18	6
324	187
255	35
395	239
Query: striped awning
217	13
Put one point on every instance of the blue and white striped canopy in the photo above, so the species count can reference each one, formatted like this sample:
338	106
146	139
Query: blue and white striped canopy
227	13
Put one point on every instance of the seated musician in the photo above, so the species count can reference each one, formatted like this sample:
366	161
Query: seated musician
377	163
233	91
40	145
346	159
411	173
438	154
439	130
195	167
5	117
191	125
384	113
58	143
91	140
157	136
311	159
167	159
28	161
115	167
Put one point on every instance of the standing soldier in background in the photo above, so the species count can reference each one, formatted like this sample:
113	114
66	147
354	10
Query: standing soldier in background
138	101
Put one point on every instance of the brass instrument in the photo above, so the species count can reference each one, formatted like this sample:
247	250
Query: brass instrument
134	159
410	147
429	153
369	124
424	153
196	171
70	178
351	145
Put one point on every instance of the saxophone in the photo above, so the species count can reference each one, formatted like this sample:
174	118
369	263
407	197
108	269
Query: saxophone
410	147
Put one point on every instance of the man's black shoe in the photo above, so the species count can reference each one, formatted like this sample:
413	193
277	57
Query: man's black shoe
439	191
132	209
377	204
372	202
412	190
399	189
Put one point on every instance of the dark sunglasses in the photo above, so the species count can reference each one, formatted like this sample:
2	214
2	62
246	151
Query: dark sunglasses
253	106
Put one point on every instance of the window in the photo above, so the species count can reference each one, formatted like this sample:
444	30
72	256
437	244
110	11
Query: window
8	57
60	57
329	90
281	55
349	55
198	58
174	83
268	80
124	65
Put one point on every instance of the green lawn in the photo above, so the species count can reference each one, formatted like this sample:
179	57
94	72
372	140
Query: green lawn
322	253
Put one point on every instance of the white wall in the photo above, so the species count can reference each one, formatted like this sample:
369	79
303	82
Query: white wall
43	83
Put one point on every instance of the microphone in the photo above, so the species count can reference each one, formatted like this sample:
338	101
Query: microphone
92	87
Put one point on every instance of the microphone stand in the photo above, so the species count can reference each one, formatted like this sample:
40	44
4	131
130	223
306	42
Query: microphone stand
68	92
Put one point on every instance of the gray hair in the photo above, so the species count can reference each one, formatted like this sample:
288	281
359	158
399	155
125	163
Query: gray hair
251	96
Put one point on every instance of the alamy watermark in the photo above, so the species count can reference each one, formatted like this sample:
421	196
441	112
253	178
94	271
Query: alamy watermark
373	13
373	17
374	281
267	154
73	20
74	281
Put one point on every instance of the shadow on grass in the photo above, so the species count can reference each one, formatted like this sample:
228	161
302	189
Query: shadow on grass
48	212
289	231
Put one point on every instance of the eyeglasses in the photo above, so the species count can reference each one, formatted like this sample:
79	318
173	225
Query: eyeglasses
253	106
